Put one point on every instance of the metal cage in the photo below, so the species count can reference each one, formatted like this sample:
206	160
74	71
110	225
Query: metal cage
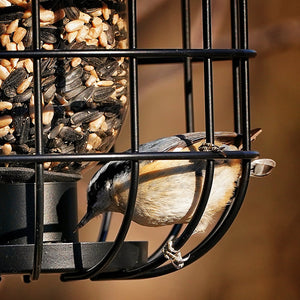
42	257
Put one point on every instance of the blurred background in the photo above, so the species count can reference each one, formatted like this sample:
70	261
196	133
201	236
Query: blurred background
258	258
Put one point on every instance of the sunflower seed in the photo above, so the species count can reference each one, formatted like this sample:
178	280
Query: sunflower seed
68	87
23	97
49	93
69	134
85	116
102	93
48	37
11	13
108	69
73	93
55	131
72	12
15	78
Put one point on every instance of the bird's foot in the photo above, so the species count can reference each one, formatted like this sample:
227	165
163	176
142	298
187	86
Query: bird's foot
212	147
174	255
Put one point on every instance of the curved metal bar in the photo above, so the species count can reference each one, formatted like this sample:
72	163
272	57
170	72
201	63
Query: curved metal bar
216	234
104	227
188	91
190	228
94	271
160	259
172	235
111	254
39	179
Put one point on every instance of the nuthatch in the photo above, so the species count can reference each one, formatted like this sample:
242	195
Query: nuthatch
168	190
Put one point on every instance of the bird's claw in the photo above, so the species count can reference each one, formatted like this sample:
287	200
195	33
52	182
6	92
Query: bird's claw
212	147
174	255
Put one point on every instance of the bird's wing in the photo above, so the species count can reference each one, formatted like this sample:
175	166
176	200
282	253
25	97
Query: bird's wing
184	140
172	142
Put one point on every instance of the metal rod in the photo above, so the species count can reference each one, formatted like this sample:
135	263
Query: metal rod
104	157
209	123
111	254
39	179
235	44
188	78
245	76
214	236
172	235
106	220
157	259
149	55
208	84
188	93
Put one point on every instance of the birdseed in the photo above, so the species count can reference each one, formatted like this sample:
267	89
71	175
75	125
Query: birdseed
84	99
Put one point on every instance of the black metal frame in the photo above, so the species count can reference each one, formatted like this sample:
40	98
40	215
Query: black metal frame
239	55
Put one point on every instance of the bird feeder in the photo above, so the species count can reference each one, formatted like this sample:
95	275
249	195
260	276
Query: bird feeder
66	116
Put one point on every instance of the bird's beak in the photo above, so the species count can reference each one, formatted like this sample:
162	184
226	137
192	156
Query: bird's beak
86	218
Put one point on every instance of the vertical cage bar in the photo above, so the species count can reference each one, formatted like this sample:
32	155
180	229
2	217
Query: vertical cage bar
188	96
188	79
245	75
208	81
119	240
244	121
209	123
39	180
235	44
214	236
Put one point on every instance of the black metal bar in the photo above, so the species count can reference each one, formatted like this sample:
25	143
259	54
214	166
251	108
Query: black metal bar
157	259
235	44
143	55
171	236
209	123
111	254
239	55
245	76
215	235
229	215
188	78
39	179
106	219
104	157
188	93
208	84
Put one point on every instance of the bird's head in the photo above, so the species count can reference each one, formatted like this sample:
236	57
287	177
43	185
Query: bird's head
98	199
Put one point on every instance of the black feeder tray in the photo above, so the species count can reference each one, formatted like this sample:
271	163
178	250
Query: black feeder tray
38	209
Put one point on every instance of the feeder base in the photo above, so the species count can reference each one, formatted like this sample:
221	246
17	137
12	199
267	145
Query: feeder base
70	257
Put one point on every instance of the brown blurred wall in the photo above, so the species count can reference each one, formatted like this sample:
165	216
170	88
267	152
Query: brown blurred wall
259	257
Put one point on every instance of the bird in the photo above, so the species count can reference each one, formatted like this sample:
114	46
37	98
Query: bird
169	190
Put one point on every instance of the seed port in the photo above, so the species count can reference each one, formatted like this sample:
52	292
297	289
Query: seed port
40	236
